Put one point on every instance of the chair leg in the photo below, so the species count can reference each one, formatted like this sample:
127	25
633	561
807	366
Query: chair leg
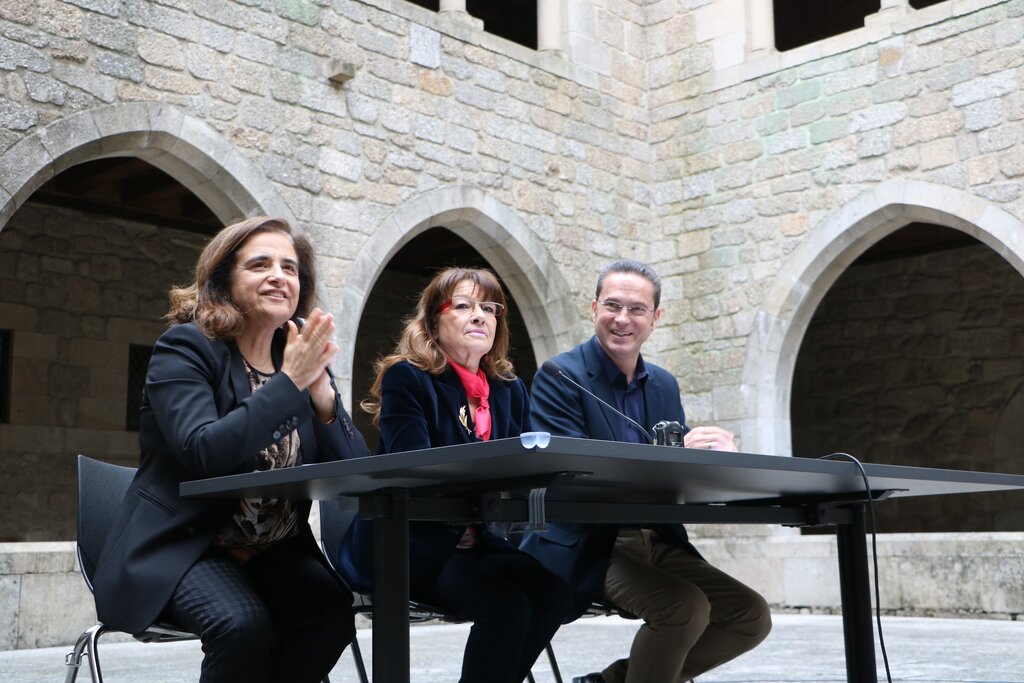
94	656
85	646
554	663
357	655
73	659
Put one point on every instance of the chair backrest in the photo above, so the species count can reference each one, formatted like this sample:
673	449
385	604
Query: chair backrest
334	523
335	519
101	488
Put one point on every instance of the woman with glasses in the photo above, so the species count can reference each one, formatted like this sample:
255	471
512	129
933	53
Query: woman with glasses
449	381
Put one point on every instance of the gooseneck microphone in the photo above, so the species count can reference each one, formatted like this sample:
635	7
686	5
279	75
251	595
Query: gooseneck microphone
550	367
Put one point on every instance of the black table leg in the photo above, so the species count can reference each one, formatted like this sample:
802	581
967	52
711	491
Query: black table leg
391	593
856	595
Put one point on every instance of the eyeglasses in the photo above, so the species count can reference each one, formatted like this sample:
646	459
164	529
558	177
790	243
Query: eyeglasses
635	311
463	306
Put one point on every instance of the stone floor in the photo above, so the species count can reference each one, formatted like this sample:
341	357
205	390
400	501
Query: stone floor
800	649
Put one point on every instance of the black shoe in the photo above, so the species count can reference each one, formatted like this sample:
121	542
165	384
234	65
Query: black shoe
589	678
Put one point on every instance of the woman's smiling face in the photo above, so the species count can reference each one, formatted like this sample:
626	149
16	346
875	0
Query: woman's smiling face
265	279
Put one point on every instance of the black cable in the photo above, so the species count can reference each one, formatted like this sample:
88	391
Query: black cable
874	552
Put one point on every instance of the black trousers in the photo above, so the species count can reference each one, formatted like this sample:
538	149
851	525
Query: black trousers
282	616
515	604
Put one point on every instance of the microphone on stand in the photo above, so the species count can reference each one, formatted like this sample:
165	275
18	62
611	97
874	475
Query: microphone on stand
550	367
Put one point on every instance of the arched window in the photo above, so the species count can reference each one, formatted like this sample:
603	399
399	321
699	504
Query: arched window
394	298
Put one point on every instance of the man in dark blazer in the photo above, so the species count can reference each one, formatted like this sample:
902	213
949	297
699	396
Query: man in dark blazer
696	617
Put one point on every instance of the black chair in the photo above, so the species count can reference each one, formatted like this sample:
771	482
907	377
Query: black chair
335	519
334	522
101	488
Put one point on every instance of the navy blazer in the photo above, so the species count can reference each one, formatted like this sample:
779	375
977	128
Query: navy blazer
578	553
199	418
421	410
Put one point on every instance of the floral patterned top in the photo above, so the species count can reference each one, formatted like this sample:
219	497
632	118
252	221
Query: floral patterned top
260	522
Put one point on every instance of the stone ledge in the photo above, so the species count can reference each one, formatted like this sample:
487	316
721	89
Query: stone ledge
946	574
942	575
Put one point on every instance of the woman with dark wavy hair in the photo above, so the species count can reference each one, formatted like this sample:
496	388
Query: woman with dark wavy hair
238	383
449	381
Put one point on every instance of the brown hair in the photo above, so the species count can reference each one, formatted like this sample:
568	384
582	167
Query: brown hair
207	300
418	343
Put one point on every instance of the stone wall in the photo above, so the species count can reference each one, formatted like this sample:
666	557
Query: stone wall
75	290
433	102
941	574
751	162
643	144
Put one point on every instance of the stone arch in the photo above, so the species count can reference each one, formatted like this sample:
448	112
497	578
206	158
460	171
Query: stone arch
493	229
779	325
185	148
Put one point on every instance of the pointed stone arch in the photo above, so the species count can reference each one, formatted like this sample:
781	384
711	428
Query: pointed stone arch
500	235
185	148
812	269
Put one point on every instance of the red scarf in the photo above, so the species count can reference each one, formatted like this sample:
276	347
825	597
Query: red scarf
476	386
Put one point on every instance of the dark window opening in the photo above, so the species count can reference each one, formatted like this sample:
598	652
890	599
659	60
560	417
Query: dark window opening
800	22
6	342
138	363
514	20
921	4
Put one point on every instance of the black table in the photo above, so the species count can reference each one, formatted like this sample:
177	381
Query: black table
578	480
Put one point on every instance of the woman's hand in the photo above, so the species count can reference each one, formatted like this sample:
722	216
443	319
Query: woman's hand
322	394
307	353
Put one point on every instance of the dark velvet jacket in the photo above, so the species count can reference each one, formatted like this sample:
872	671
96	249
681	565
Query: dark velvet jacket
578	553
199	419
422	410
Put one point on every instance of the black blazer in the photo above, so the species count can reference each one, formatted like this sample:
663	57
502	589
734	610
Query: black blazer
421	410
578	553
199	419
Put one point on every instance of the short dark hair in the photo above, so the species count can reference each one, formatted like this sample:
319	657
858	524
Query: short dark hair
631	266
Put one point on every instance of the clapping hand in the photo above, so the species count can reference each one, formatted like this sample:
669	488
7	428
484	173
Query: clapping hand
307	353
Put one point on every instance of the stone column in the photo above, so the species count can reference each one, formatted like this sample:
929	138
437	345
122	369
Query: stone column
760	28
456	9
549	26
453	6
888	10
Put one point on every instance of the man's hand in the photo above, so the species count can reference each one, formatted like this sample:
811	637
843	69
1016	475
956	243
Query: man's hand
714	438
